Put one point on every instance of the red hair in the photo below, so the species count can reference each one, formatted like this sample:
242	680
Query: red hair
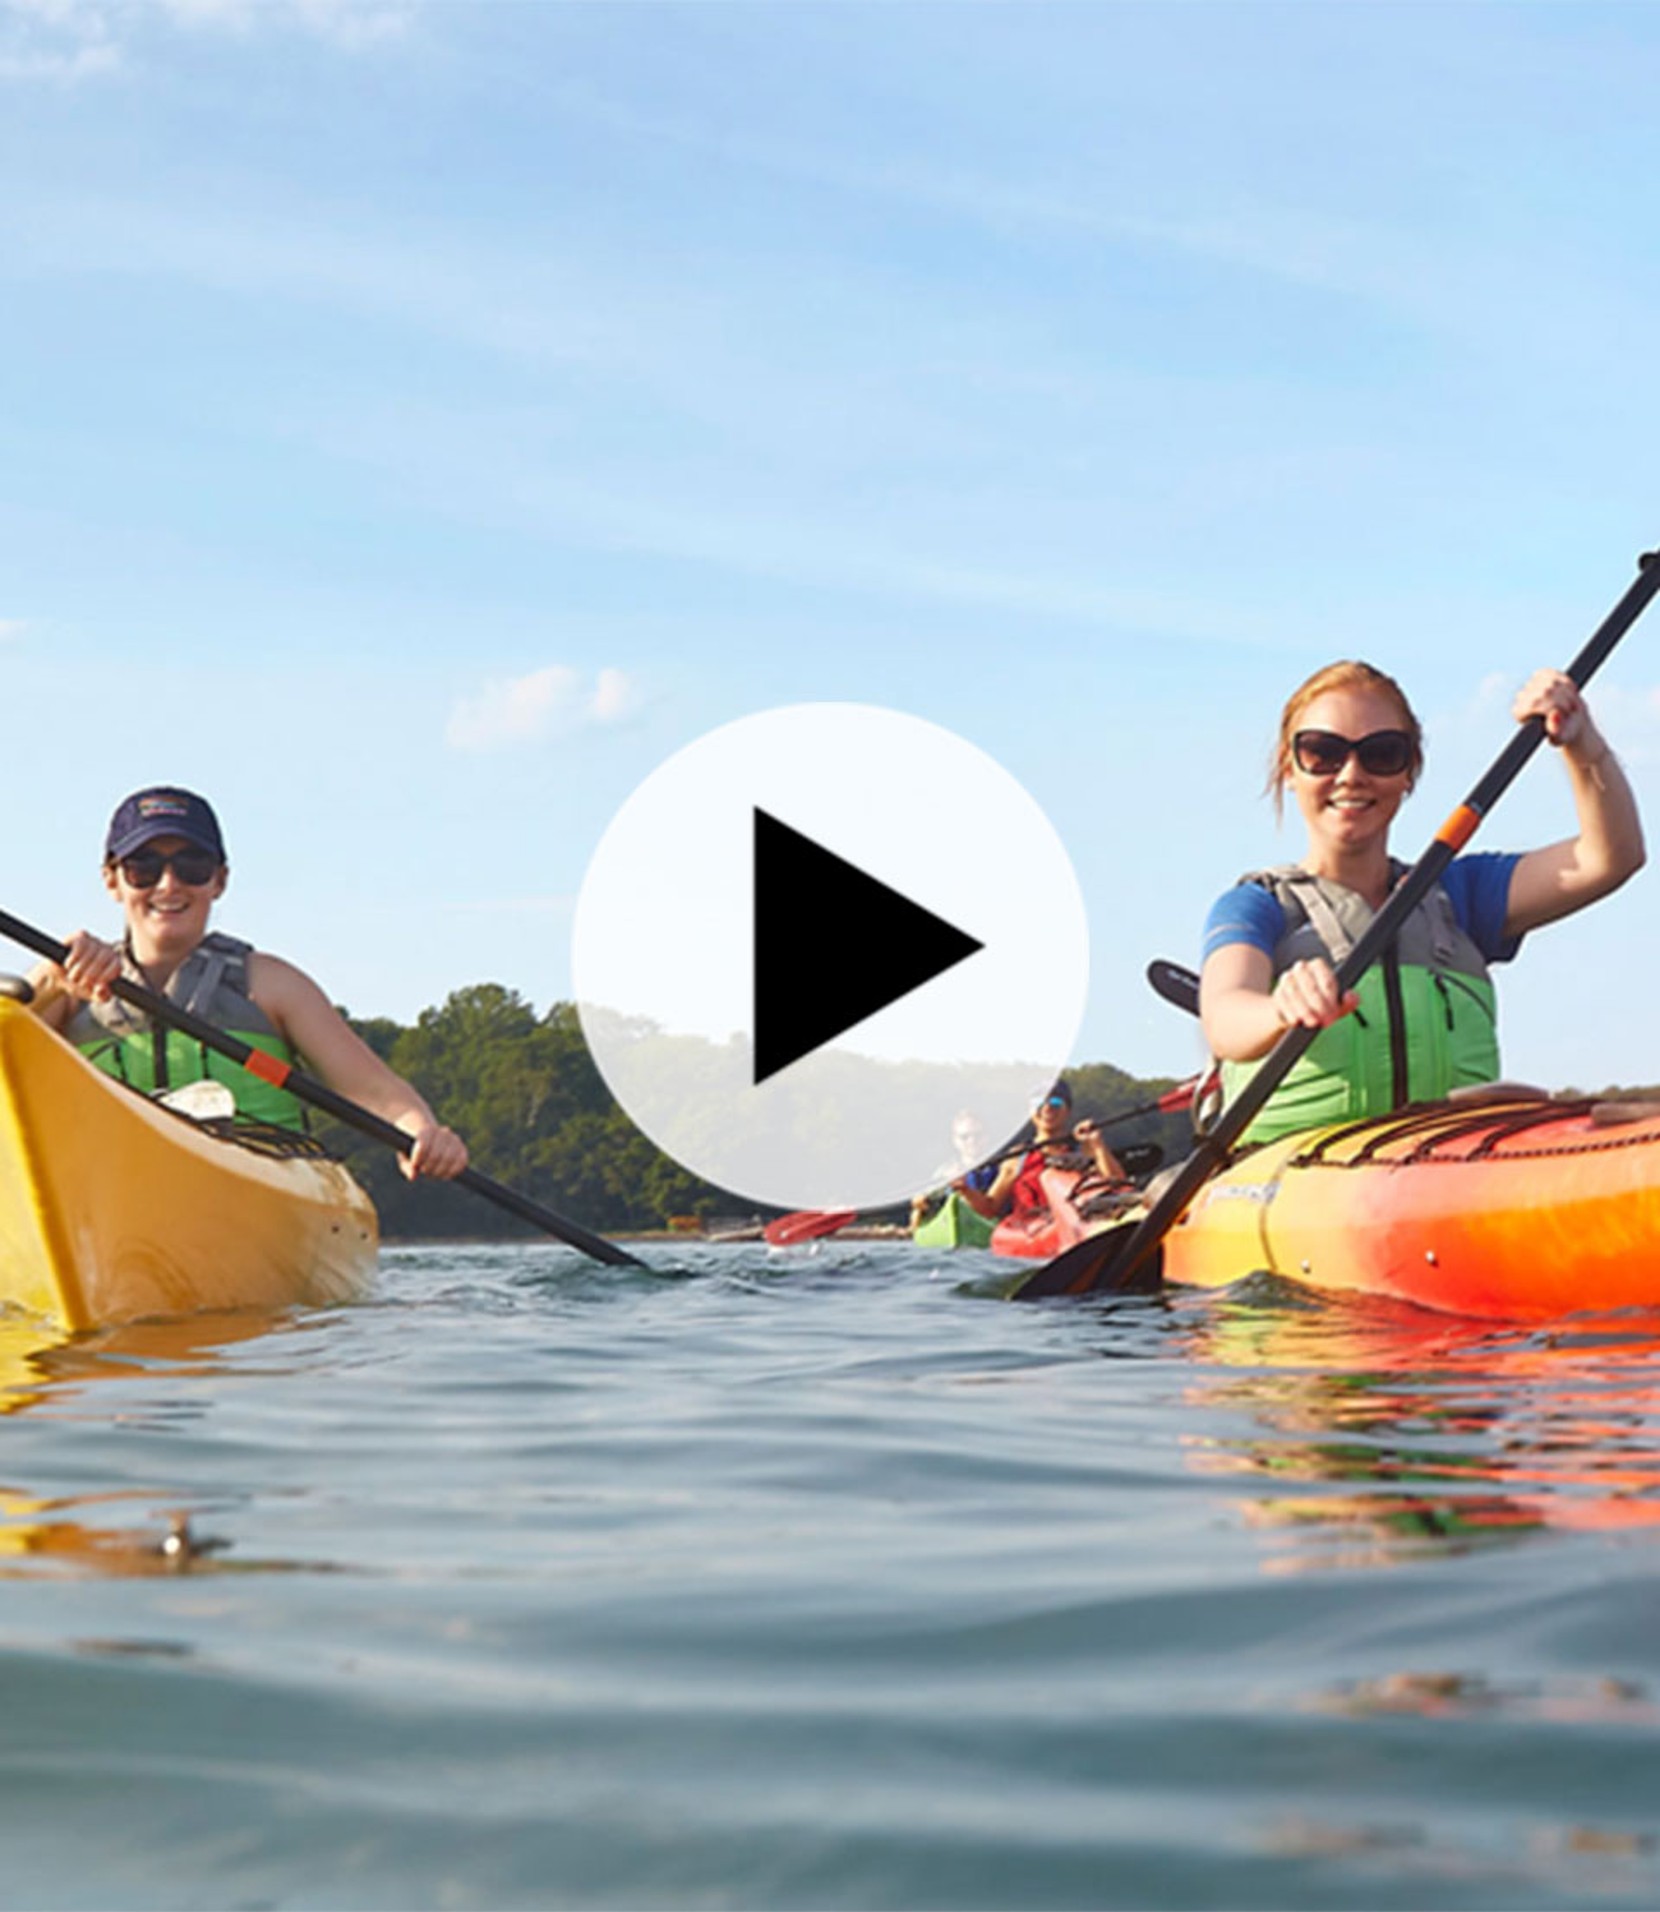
1347	674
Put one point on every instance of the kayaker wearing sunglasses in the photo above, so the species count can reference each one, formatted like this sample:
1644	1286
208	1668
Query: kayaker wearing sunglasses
1018	1185
1423	1019
165	864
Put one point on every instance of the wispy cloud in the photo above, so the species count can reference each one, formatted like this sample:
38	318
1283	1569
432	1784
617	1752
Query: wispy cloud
1628	715
1443	277
11	627
66	41
350	23
55	40
524	710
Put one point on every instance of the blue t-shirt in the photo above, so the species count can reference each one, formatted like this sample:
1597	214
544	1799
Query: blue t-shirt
1477	885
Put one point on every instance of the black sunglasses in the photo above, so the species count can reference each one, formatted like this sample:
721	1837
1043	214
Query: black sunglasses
144	867
1383	753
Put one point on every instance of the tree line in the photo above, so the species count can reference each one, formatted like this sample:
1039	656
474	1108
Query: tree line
536	1114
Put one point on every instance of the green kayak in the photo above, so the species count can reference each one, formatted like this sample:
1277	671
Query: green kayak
954	1225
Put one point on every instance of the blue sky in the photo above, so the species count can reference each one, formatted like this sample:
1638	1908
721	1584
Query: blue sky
420	420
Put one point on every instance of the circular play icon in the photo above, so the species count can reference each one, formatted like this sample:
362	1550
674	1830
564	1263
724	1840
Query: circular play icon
814	939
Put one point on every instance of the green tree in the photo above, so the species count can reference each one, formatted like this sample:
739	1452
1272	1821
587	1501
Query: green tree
536	1114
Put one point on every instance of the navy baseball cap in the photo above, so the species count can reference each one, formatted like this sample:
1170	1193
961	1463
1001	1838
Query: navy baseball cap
163	811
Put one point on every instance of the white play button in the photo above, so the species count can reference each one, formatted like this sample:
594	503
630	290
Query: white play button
813	938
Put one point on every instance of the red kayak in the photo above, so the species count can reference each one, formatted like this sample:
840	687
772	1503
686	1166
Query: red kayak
1077	1205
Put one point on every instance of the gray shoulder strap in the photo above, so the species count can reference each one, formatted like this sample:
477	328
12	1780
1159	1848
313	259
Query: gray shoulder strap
1305	890
1327	924
214	961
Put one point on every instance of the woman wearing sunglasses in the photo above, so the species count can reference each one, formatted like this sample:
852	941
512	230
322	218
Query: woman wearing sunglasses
1422	1021
164	863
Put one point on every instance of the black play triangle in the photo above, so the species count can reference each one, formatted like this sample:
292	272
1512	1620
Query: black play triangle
832	945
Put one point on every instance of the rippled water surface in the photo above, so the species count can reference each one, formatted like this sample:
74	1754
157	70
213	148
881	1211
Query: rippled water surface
825	1578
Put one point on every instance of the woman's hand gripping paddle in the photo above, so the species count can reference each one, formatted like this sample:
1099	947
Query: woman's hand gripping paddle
1113	1260
321	1096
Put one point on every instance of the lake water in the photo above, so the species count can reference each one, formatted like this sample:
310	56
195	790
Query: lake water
825	1578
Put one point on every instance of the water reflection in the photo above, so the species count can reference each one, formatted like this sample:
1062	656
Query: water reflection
43	1370
1574	1864
38	1535
1380	1432
1600	1700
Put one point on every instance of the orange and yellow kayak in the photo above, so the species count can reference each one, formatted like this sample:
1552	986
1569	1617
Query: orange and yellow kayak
113	1208
1513	1208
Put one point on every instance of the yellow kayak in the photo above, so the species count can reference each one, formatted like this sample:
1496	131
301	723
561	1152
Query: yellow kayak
113	1208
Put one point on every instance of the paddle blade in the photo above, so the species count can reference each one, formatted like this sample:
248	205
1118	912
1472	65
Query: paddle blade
1139	1158
806	1224
1175	984
1088	1268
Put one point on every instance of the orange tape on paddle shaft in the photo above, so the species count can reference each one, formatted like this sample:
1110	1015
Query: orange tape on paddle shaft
268	1068
1459	828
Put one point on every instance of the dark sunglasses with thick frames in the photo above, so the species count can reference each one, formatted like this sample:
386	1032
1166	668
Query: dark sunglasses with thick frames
1382	753
144	867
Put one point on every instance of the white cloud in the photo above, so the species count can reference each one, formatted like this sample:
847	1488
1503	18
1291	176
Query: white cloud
11	627
522	710
58	40
615	697
71	40
1629	717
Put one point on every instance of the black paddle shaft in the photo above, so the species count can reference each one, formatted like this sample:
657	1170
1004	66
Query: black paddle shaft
1118	1269
321	1096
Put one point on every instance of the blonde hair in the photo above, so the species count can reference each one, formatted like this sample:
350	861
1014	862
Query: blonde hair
1346	674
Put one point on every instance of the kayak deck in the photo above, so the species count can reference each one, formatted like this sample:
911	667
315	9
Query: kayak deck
1510	1208
113	1208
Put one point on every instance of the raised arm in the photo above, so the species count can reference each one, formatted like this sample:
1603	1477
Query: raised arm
1563	877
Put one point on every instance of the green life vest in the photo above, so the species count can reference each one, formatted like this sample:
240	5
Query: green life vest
1427	1022
212	982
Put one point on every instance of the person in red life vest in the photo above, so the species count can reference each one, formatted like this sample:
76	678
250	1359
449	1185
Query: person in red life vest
165	864
1018	1186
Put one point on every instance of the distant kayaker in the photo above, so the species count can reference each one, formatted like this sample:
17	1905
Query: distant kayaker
165	864
1017	1187
1423	1019
966	1170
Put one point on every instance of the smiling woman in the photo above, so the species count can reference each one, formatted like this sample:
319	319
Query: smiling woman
1423	1021
165	864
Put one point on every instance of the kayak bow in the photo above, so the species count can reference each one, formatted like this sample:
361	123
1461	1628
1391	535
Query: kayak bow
113	1207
